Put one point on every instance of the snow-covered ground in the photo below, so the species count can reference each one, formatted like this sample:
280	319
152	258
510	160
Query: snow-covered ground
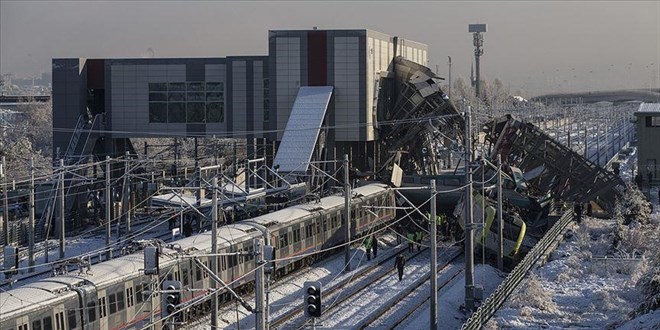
594	278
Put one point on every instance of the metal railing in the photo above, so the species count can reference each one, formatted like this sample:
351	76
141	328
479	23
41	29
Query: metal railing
511	282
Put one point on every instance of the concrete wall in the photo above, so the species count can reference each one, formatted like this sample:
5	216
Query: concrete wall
647	141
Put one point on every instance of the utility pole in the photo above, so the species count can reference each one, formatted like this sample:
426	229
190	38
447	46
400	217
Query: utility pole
125	198
5	201
434	260
260	290
347	216
469	230
32	231
449	77
214	251
500	225
108	205
62	221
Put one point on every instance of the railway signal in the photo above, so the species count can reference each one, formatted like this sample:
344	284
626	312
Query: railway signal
312	295
171	298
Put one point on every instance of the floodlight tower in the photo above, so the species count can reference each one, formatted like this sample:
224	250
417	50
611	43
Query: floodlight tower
478	41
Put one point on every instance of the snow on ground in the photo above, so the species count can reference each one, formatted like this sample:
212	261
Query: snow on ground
451	299
587	283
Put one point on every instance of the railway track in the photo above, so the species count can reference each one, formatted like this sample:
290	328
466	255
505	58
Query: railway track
346	302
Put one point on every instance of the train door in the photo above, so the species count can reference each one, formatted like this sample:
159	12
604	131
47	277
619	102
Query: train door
102	305
129	295
59	317
22	323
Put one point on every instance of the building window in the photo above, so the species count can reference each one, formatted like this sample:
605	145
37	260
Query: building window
655	121
186	102
266	100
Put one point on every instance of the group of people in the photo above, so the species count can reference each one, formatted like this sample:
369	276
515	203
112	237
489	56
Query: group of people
371	243
414	239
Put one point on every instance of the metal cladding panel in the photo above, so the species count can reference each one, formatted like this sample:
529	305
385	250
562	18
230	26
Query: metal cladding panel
302	129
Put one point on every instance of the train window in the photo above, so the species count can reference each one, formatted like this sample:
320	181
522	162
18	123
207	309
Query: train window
91	311
120	300
129	297
325	225
284	240
296	235
185	277
103	311
139	293
71	315
223	264
206	274
198	273
308	231
112	299
169	277
59	321
177	276
48	323
318	227
36	325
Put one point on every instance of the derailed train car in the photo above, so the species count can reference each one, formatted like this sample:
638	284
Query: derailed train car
111	294
486	235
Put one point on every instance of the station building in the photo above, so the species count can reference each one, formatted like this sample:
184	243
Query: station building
235	96
648	135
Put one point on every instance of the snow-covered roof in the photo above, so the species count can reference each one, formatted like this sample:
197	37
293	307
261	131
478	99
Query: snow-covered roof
649	108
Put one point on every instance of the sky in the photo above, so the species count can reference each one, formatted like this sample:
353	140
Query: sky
537	46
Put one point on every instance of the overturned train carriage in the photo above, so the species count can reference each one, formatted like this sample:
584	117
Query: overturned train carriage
416	117
115	294
561	171
515	242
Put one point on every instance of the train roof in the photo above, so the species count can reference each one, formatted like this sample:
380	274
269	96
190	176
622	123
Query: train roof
234	232
32	297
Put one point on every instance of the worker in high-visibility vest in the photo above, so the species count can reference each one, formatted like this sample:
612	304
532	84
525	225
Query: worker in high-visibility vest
367	246
411	241
418	238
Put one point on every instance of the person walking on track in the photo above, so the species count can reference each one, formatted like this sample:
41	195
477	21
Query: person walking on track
400	262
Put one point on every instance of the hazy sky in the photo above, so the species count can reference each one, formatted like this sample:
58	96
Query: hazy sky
538	46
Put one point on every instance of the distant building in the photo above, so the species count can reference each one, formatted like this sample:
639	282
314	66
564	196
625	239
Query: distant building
236	96
648	135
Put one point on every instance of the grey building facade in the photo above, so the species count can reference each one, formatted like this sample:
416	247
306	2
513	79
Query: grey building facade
236	96
648	135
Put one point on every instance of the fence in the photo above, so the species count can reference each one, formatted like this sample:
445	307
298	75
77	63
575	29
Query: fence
510	283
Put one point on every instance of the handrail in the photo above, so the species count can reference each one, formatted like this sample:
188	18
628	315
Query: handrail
510	283
75	136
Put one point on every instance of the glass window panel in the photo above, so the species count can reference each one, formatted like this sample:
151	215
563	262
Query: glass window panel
91	311
195	112
162	97
157	112
196	86
214	87
120	300
112	300
195	97
181	87
175	97
176	112
215	112
72	319
48	323
214	96
138	293
36	325
161	87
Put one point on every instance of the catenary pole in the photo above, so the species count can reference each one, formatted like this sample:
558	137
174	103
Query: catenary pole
500	224
214	251
347	216
32	231
5	201
108	205
62	220
434	260
259	285
469	230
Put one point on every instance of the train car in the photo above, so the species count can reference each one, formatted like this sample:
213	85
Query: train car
514	230
116	294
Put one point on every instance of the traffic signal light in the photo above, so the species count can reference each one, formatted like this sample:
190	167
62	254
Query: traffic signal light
312	295
171	298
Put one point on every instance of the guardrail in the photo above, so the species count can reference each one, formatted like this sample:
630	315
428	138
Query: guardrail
510	283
